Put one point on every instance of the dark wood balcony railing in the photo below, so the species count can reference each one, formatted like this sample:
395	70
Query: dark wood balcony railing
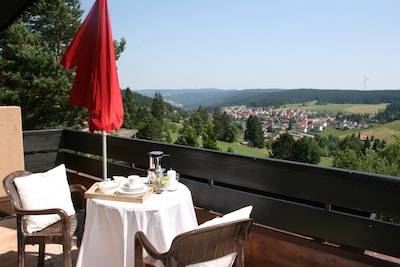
304	215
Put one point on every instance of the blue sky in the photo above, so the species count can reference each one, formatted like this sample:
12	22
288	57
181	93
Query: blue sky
242	44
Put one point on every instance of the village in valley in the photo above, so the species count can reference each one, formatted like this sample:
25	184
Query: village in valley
301	122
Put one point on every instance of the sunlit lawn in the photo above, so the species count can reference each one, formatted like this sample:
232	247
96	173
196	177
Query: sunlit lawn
394	125
243	149
381	131
345	108
326	162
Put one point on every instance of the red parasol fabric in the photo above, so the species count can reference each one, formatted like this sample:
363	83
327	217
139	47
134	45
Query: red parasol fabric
96	85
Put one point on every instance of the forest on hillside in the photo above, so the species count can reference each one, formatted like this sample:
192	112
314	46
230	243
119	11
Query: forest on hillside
324	97
193	98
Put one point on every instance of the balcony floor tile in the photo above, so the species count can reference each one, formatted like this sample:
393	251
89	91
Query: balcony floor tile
8	248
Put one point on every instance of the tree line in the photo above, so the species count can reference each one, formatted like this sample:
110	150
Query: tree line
278	98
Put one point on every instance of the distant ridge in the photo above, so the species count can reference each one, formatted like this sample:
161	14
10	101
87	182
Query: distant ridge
212	97
207	97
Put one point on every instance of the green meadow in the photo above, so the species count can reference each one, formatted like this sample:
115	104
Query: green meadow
377	131
345	108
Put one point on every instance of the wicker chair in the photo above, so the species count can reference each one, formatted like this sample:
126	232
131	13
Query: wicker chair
67	231
196	246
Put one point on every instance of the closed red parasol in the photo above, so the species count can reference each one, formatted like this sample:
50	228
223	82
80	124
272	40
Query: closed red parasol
96	85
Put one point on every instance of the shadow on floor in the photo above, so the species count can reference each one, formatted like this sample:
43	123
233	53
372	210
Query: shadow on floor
9	259
8	249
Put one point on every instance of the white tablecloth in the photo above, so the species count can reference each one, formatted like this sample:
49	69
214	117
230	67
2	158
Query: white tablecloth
110	226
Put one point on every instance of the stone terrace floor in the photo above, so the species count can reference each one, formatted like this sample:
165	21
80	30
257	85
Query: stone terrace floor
8	248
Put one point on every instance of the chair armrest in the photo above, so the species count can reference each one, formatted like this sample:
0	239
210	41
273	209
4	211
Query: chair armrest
77	188
80	190
142	241
62	213
65	219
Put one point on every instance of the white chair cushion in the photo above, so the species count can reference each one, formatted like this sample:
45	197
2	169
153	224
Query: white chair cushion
225	261
44	191
242	213
229	259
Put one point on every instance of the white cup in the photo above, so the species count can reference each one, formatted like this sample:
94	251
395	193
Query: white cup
121	180
133	181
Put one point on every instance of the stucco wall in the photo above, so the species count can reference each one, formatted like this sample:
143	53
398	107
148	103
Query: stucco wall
11	144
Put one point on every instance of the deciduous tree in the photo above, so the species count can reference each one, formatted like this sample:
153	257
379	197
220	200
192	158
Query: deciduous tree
381	160
306	150
282	147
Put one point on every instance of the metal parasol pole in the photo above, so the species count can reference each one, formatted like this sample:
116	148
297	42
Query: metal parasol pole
104	155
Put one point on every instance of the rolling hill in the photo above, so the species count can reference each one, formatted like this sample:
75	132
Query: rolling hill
192	98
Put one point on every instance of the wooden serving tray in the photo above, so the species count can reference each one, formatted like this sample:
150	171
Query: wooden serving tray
94	192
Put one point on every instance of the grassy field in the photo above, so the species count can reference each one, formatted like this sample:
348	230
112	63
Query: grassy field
244	150
381	131
384	131
394	125
366	108
345	108
326	162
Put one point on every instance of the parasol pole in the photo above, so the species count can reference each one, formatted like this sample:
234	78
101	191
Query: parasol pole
104	155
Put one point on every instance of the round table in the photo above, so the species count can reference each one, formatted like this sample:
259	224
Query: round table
110	226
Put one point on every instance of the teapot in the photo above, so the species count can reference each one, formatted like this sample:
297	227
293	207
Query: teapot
155	168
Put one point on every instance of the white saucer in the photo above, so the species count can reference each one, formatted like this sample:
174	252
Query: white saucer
127	188
137	192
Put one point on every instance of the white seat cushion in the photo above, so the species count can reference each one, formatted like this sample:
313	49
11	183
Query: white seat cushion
44	191
243	213
225	261
229	259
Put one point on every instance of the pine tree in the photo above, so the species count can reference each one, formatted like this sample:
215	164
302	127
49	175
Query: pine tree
209	136
187	136
254	132
130	109
31	75
196	121
224	127
218	121
158	107
150	129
